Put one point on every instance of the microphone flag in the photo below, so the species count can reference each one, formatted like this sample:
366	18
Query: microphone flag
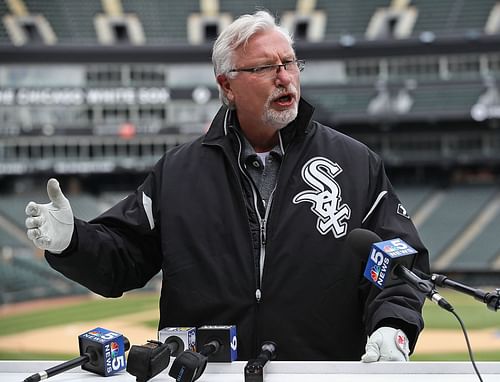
384	256
110	345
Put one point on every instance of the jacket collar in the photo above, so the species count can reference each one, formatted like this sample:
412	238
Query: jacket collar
225	121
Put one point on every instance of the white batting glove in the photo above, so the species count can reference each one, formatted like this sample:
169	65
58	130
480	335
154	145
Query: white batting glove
51	225
387	344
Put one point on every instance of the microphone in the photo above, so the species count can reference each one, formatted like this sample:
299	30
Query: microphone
492	300
388	264
254	370
218	343
101	351
185	336
150	359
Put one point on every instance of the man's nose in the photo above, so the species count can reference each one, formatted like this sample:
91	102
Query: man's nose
283	76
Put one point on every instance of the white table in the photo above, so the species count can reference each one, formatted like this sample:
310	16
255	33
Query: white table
17	371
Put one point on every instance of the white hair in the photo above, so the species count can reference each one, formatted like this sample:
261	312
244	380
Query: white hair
236	35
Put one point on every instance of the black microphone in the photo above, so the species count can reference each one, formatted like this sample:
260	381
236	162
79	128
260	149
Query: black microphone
492	300
254	369
101	351
388	263
218	343
146	361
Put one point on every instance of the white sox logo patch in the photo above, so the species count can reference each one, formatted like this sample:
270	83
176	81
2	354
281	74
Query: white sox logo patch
320	173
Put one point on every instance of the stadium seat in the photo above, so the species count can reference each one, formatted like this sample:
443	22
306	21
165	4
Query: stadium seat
451	217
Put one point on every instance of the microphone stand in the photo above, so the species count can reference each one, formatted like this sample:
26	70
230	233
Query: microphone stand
492	300
426	287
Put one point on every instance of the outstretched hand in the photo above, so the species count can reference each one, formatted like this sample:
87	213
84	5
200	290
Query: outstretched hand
50	226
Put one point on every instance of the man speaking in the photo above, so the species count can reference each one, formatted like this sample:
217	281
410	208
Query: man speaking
248	223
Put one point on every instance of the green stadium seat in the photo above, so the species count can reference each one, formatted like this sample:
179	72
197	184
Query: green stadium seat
460	205
482	251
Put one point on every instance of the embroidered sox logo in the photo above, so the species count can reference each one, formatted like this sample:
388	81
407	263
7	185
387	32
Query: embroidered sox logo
320	173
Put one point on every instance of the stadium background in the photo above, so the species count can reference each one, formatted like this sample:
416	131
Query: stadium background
93	92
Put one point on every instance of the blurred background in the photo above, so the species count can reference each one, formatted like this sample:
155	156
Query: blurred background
93	92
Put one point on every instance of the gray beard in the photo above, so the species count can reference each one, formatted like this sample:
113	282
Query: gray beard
279	119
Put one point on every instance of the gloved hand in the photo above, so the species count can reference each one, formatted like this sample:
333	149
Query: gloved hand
387	344
51	225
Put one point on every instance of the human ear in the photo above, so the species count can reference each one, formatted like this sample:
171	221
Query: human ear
225	85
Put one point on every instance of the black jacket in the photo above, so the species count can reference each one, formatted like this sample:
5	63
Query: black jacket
195	218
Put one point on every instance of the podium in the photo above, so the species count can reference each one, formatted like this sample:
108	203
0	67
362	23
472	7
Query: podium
284	371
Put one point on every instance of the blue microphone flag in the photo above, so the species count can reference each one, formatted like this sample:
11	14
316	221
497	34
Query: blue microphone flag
108	343
384	256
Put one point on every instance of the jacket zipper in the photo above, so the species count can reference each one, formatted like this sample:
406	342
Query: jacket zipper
262	224
263	242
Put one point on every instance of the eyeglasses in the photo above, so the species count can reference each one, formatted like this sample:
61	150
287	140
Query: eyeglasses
294	66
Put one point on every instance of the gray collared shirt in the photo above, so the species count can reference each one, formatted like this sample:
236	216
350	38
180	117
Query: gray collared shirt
264	175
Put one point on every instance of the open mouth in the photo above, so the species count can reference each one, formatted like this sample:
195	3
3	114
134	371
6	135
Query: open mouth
284	100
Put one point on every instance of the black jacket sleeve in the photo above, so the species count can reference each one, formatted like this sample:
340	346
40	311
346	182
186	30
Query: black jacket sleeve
396	306
117	251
